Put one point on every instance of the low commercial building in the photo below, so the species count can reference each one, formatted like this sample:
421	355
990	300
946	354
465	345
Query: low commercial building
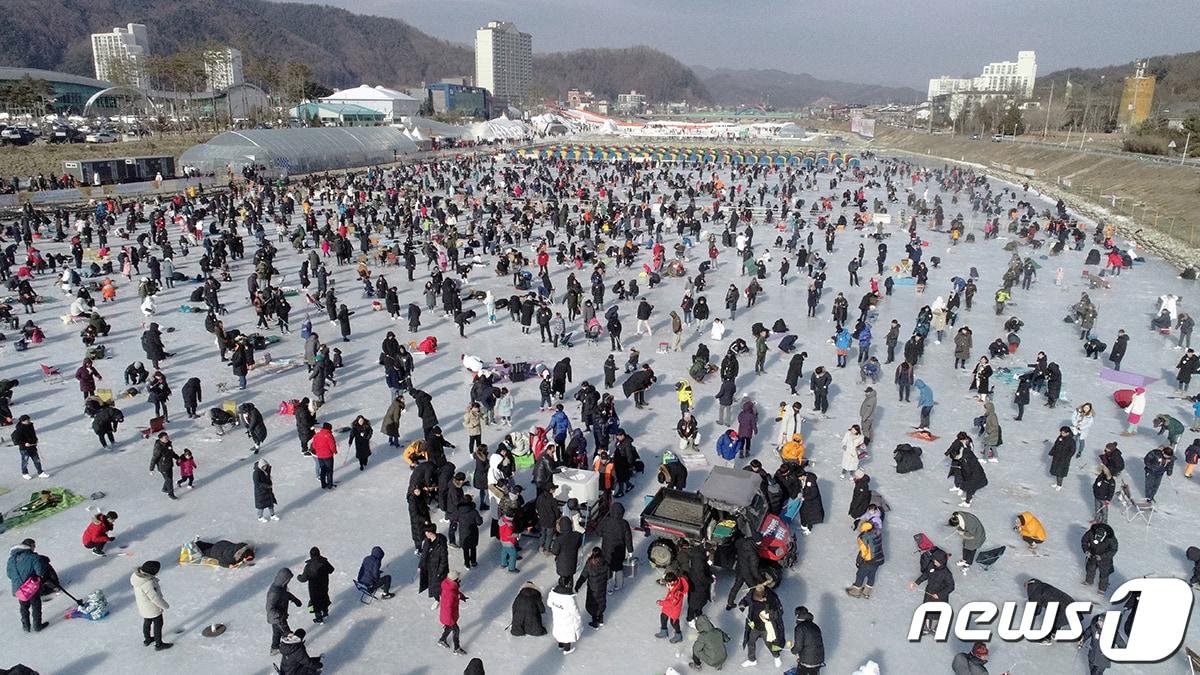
449	99
395	105
338	114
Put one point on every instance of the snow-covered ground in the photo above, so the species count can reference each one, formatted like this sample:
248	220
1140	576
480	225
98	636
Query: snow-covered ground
368	509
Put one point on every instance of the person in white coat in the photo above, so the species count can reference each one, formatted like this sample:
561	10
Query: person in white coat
150	604
490	303
1081	423
789	421
851	442
718	330
1137	406
565	613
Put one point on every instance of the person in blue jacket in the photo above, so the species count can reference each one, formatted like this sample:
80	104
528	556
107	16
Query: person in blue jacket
864	342
729	445
925	402
369	577
560	426
24	563
842	342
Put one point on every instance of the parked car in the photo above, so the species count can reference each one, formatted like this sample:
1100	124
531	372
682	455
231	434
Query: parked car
997	138
65	135
102	136
17	136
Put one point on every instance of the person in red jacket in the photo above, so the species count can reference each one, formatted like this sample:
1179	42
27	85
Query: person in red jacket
97	533
324	447
672	606
508	544
448	610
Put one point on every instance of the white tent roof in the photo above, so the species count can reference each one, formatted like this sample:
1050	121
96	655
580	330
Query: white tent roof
366	92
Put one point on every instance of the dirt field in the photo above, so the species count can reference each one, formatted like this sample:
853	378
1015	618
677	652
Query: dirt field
1157	196
47	158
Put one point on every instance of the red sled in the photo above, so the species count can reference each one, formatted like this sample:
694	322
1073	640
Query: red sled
1123	397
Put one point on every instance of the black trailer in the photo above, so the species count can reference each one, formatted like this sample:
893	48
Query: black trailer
120	169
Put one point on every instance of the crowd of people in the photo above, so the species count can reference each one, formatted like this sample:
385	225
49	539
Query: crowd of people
579	250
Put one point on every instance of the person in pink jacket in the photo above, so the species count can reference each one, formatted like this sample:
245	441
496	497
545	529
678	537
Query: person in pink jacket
448	610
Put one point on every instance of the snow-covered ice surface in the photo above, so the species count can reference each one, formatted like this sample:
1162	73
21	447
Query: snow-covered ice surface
368	509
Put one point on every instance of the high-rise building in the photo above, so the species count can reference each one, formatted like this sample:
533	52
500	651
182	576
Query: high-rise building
1011	77
504	60
223	68
119	56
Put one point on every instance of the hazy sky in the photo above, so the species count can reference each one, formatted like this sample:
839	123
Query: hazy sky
871	41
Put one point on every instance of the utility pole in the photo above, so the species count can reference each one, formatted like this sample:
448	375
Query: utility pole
1186	143
1046	129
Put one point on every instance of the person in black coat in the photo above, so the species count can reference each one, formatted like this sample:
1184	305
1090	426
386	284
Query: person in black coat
939	584
152	345
560	376
1053	384
434	564
974	478
596	576
163	460
479	477
316	574
565	548
264	492
1041	594
191	396
158	392
252	419
547	515
360	437
418	515
295	657
343	319
469	522
795	371
1117	353
414	317
278	597
527	610
808	644
700	578
812	507
616	540
748	572
861	498
425	411
1099	545
305	421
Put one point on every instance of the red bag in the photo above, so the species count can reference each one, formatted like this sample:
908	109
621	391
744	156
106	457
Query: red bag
29	590
287	407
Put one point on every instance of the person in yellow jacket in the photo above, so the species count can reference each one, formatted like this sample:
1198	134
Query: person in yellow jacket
683	391
793	450
414	452
1030	529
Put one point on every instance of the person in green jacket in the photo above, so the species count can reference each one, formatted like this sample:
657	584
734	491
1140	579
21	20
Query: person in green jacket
709	649
1173	428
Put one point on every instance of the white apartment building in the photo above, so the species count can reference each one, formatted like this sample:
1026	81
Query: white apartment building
119	55
945	84
223	68
504	60
1015	76
1002	76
